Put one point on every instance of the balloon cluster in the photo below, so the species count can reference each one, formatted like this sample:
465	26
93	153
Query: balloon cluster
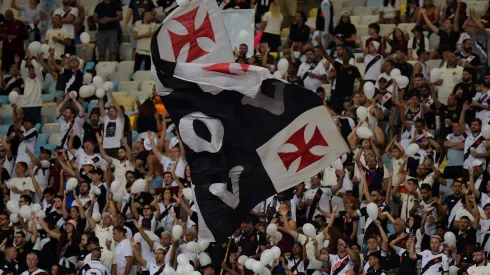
282	69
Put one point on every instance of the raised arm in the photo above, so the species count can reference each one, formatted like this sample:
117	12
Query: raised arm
116	104
39	192
137	253
293	233
107	158
80	205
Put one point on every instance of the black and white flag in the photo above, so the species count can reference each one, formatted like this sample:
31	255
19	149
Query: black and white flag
246	135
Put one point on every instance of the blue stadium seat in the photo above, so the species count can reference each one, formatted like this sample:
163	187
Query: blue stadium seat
8	120
3	133
134	136
38	126
42	139
4	127
47	97
5	99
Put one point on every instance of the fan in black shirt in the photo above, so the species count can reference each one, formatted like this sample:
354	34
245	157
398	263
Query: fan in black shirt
252	241
465	90
449	35
467	59
408	258
299	32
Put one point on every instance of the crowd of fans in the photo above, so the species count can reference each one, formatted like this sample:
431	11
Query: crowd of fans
83	216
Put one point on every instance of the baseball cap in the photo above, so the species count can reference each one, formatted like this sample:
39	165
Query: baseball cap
65	55
105	214
89	162
72	222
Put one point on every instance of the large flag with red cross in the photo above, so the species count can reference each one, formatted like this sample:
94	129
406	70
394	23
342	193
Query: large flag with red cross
247	136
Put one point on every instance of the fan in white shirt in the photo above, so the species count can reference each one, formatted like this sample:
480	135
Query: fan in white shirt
123	252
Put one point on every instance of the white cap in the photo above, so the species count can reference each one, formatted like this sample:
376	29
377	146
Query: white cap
476	162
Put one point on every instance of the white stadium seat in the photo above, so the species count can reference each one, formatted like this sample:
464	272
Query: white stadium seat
142	75
147	86
129	86
55	138
362	11
50	128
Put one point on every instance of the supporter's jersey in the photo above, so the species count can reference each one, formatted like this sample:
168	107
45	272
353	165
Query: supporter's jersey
433	264
485	234
340	265
95	268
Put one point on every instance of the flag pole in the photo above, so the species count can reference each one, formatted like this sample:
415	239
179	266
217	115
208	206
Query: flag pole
226	254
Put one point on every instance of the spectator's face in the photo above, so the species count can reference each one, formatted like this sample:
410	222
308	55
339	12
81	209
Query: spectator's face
32	73
209	271
451	59
424	92
56	20
340	51
19	169
440	232
383	83
19	240
421	171
130	178
451	100
159	256
146	210
487	211
372	49
167	194
358	99
112	112
400	56
165	240
2	152
341	245
419	126
388	67
448	25
457	187
117	236
466	76
66	2
371	163
22	202
189	235
242	50
167	179
397	153
74	63
434	244
345	18
68	115
88	147
4	220
345	57
375	196
73	214
84	239
426	195
310	56
9	15
122	154
57	203
373	261
318	53
175	152
299	18
463	224
54	270
475	127
297	249
94	119
315	181
31	260
83	188
321	94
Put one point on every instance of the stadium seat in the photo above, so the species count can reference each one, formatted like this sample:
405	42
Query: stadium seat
47	97
55	139
434	63
340	9
313	13
126	51
120	93
105	67
5	110
285	32
50	128
142	96
362	30
93	104
142	75
368	19
48	111
4	99
42	139
46	119
120	76
125	66
355	3
89	52
8	120
386	28
127	102
356	20
129	86
406	27
4	127
363	11
147	86
38	126
90	11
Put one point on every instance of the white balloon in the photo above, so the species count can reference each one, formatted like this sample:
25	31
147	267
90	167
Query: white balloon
36	207
14	218
182	3
203	244
108	85
41	214
368	89
337	164
177	231
85	38
395	73
25	211
435	75
372	210
242	259
266	257
187	193
138	186
485	131
453	270
257	267
309	230
271	229
87	78
196	273
13	97
117	196
182	258
84	91
317	273
449	238
96	216
402	81
100	93
364	132
74	94
193	247
187	269
276	251
344	158
71	184
204	259
13	207
34	48
278	236
249	263
115	185
412	149
277	75
91	89
362	113
168	270
98	82
282	66
45	49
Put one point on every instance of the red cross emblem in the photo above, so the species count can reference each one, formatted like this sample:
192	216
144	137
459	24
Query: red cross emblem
303	151
179	41
226	68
